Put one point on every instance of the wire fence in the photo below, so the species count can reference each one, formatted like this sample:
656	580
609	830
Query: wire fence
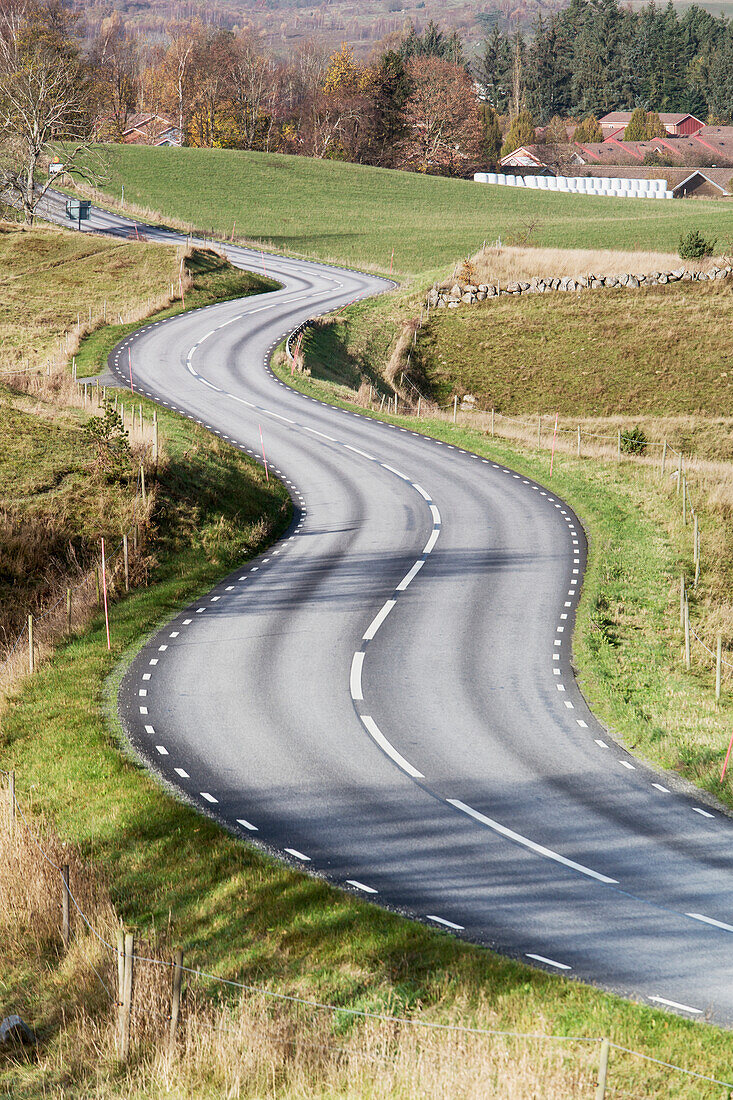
16	813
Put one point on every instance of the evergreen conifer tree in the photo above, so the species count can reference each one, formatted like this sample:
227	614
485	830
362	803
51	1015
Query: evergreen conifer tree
521	132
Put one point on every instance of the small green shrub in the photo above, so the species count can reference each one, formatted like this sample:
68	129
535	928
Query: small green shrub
693	246
633	441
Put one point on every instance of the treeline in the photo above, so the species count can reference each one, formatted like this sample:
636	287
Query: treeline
597	56
413	106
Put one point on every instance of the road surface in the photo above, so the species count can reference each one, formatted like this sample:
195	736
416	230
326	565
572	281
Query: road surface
386	697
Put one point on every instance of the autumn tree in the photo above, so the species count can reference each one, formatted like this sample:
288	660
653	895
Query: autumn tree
115	57
555	132
443	127
47	103
253	79
341	112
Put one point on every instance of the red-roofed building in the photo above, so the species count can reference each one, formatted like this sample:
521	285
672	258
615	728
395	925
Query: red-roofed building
677	124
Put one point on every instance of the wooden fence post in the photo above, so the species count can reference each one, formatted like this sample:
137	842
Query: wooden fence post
682	601
11	803
31	655
618	446
578	440
126	1005
687	635
679	473
419	401
539	432
492	422
142	483
175	999
127	563
455	407
664	456
718	667
65	916
603	1070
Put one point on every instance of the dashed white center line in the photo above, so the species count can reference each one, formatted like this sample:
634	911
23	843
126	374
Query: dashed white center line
162	750
540	849
247	825
378	620
298	855
703	813
664	790
208	797
602	744
375	732
355	680
626	764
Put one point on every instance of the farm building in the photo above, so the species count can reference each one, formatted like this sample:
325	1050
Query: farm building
614	124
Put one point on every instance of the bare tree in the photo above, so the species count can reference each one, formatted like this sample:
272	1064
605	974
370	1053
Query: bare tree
116	57
46	108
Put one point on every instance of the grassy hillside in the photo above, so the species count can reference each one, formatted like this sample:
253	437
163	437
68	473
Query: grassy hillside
358	214
599	353
62	282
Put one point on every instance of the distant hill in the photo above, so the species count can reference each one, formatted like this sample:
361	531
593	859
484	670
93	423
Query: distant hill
283	24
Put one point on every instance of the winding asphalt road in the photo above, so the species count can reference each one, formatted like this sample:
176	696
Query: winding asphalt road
386	697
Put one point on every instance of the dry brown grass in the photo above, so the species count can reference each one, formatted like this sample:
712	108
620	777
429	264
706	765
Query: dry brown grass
246	1048
510	263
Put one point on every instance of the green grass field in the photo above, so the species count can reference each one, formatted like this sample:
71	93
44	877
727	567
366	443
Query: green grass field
357	215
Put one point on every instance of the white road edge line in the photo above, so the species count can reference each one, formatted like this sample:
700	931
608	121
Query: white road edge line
540	849
550	962
444	922
361	886
298	855
374	731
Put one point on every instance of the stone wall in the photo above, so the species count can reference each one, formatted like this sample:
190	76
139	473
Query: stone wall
451	297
